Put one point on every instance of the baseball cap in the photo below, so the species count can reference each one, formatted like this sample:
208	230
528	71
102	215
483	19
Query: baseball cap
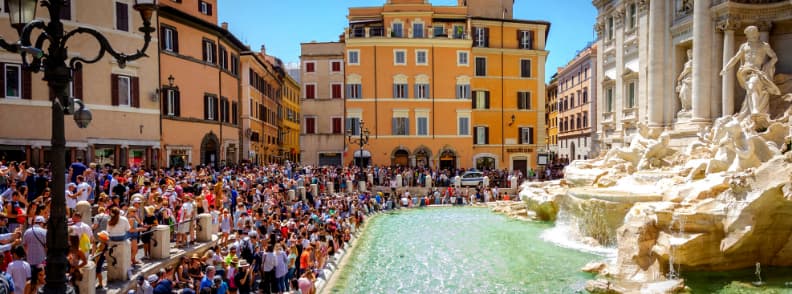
152	278
40	219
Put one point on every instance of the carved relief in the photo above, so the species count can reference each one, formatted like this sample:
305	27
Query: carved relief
728	24
618	16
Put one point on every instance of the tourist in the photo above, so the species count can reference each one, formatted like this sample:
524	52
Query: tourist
36	282
19	270
244	278
99	256
35	242
76	258
165	284
306	283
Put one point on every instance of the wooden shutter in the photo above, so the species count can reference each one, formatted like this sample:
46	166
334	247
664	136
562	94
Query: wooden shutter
458	91
77	81
175	35
530	136
122	16
486	37
474	98
519	39
209	5
527	100
65	12
164	100
135	99
203	50
519	135
486	100
27	86
206	107
216	108
486	135
234	112
176	103
475	135
114	89
214	53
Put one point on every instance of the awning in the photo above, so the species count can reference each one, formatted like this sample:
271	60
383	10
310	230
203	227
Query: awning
366	153
364	21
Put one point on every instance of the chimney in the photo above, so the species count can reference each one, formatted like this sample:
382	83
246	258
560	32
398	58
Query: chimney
263	49
224	25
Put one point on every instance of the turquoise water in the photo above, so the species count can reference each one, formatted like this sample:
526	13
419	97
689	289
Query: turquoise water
460	250
777	280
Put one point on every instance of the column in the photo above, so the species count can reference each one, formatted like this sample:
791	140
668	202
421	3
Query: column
86	285
160	248
727	80
118	261
84	208
656	80
715	62
204	229
702	62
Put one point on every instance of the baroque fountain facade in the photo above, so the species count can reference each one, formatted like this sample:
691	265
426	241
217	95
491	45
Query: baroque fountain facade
700	183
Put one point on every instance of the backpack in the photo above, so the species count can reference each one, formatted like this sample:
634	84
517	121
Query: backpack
245	252
6	284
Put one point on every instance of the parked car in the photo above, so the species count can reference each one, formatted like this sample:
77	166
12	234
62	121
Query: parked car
472	178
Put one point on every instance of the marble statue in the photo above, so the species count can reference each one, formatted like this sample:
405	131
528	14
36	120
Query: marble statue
685	85
634	152
653	156
756	72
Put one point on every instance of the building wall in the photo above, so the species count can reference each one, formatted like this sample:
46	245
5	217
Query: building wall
323	108
190	138
192	7
290	125
253	140
576	103
121	130
551	124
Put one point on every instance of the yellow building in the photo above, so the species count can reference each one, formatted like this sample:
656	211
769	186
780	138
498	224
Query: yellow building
254	113
446	86
123	101
290	119
551	112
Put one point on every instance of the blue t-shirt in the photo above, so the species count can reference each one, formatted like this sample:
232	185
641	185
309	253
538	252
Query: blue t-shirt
206	283
164	286
78	168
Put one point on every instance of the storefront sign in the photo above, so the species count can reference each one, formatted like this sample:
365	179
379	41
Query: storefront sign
179	152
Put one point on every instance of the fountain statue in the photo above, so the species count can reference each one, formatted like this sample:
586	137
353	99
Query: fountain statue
712	206
685	86
755	74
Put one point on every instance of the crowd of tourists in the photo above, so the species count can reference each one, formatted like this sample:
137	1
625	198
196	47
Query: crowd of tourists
272	238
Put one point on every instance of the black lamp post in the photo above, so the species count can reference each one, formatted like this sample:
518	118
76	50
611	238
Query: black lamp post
361	139
52	60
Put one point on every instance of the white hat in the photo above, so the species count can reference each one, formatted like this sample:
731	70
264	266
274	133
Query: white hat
40	219
152	279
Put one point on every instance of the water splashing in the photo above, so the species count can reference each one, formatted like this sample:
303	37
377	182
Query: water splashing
677	239
758	272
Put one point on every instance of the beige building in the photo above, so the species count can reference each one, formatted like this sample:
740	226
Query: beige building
322	104
642	50
124	101
575	117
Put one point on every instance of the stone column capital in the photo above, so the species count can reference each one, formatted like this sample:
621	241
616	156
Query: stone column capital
618	16
599	27
727	24
643	5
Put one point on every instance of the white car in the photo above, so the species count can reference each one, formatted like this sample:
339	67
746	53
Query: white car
472	178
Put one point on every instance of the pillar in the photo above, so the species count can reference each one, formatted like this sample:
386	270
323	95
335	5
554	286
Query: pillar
728	78
118	261
330	187
350	189
292	195
370	178
702	61
362	186
398	181
84	208
86	285
514	185
301	191
428	181
315	190
204	228
656	79
160	248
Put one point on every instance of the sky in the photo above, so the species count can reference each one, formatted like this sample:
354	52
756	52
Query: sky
281	25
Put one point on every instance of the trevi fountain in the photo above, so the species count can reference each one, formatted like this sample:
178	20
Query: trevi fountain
722	201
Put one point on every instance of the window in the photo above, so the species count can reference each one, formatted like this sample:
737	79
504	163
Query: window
481	135
335	66
353	124
418	30
65	13
310	125
585	119
310	67
336	91
223	59
399	90
523	100
420	57
172	104
337	128
630	95
526	135
480	37
631	16
234	113
577	121
462	58
396	30
224	110
125	91
481	66
353	57
353	91
401	126
310	91
463	126
585	95
211	108
609	100
208	51
421	91
439	31
526	39
13	81
572	100
122	16
423	126
525	68
482	100
399	57
235	64
205	8
170	39
463	91
459	32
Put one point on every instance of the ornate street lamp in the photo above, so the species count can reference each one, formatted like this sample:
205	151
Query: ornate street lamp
52	60
361	141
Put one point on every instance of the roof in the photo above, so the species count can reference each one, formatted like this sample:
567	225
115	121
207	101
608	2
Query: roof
169	11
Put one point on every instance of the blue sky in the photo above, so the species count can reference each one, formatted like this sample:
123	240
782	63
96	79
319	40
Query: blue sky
282	25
